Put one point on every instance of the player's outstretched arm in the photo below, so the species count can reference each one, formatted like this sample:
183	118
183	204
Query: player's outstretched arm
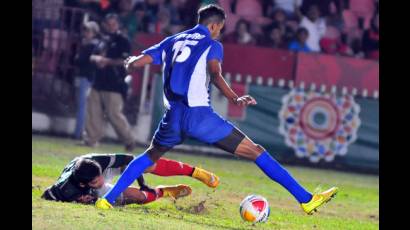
134	62
215	71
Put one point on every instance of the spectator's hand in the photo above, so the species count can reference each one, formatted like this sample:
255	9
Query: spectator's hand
128	63
100	61
245	100
95	58
104	61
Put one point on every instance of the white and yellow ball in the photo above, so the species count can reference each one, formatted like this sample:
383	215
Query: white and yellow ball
254	208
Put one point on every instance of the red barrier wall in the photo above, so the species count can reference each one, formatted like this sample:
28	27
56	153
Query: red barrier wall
246	60
258	61
282	64
340	71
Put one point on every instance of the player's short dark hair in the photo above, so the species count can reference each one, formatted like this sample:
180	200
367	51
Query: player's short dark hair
85	170
211	14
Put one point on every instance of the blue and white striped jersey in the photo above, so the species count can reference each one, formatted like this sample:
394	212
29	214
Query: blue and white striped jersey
184	57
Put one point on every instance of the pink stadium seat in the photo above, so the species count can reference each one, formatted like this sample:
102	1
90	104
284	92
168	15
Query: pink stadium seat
249	8
364	9
146	40
332	33
230	23
226	4
350	20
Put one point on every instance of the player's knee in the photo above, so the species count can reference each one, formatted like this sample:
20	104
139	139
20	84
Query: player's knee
151	168
255	151
259	149
249	150
156	152
158	148
154	156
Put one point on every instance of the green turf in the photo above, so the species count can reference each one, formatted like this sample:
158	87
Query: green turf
355	207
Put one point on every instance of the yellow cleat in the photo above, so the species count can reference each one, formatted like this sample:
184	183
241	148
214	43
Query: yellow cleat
206	177
318	200
175	191
102	203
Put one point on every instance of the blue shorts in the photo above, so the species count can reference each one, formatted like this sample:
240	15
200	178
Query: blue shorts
181	121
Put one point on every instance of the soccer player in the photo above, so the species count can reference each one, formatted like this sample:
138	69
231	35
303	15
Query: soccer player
191	60
88	177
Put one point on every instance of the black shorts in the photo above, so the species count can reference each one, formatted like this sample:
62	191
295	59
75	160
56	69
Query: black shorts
232	141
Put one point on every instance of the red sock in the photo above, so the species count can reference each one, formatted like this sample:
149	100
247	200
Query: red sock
151	196
167	167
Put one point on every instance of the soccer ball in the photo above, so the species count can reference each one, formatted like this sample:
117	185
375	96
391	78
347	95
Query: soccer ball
254	208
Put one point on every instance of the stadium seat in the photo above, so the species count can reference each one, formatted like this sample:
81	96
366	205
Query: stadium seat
332	33
364	9
145	40
249	8
230	23
350	20
226	5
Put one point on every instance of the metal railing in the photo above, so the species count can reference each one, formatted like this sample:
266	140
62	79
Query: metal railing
55	36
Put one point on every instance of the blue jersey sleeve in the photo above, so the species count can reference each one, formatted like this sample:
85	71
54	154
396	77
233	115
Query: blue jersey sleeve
155	51
216	52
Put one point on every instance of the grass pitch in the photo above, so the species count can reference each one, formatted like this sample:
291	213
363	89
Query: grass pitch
355	207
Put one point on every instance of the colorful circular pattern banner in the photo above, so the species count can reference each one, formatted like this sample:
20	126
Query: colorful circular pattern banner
318	125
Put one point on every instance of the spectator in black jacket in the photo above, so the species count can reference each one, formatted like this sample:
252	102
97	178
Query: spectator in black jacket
109	88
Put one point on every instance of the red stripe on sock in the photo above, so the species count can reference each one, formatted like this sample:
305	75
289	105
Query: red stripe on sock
168	167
